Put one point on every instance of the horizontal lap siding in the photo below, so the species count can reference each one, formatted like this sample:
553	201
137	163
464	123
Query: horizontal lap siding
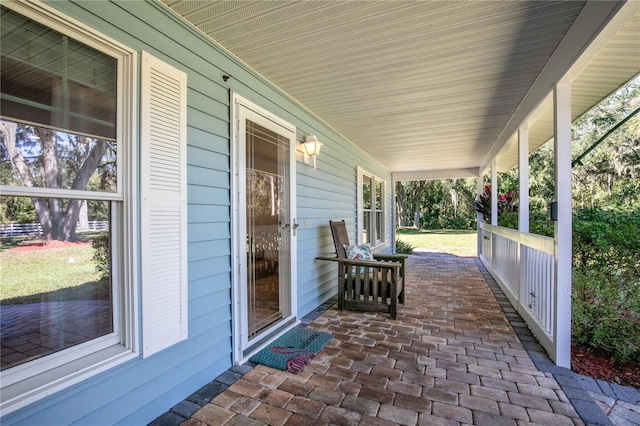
140	390
328	193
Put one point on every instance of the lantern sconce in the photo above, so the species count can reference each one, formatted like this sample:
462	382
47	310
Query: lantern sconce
311	149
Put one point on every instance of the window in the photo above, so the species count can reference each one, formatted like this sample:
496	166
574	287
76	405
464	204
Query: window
371	217
66	179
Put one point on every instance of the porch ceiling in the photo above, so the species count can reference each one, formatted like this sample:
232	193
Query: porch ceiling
424	85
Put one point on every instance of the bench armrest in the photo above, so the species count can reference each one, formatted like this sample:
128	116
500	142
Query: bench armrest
371	263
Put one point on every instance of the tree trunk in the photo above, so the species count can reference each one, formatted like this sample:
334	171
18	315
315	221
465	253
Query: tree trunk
417	201
400	205
57	223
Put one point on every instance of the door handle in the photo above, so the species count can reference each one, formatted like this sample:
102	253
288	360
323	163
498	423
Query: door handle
293	226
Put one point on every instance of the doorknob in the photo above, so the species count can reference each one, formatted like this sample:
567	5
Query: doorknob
293	226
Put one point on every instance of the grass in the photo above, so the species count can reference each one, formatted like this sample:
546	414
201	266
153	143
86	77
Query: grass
456	242
51	274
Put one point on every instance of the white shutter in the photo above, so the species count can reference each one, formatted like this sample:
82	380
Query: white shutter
163	181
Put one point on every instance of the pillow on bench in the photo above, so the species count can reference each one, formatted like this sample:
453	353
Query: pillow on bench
361	252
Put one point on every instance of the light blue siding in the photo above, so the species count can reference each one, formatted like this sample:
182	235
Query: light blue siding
140	390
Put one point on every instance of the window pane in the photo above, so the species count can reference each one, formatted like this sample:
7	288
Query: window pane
378	195
366	192
52	80
379	226
54	294
366	223
48	159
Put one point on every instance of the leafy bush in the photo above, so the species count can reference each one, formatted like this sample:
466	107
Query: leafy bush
403	247
540	224
607	241
508	220
102	256
606	317
458	223
606	282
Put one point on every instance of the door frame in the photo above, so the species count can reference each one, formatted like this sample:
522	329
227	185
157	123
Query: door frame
242	350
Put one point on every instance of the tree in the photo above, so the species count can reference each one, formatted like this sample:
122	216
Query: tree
409	195
443	203
45	158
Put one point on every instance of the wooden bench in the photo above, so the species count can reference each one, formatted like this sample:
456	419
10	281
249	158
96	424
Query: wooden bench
367	285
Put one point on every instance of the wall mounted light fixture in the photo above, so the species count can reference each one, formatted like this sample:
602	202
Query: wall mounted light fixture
312	146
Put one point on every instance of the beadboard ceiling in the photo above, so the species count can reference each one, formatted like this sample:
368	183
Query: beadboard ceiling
437	86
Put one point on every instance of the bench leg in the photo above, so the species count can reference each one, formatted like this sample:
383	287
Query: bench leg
340	294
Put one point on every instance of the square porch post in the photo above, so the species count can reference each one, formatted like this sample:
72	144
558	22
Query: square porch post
494	192
479	215
523	206
523	179
562	226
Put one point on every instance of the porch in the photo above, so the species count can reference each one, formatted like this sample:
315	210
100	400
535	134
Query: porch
458	354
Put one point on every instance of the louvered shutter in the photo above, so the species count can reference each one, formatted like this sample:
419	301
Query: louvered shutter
163	209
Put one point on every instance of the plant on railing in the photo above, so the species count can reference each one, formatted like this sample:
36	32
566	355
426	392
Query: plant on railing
507	203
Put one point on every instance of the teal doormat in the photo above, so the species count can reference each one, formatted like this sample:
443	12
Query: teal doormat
293	350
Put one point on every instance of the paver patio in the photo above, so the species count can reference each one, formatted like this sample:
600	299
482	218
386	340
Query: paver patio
452	357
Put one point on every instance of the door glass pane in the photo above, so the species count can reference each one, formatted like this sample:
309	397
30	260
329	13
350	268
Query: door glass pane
267	177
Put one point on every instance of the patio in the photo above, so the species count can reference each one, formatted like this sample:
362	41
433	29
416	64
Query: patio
458	354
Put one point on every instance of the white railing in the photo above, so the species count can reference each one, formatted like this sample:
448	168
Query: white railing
523	265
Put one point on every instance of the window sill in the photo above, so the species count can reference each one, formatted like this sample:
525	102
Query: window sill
379	245
29	390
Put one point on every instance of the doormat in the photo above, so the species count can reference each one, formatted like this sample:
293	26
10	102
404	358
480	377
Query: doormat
293	350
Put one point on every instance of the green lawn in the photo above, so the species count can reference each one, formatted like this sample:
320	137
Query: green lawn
50	274
455	242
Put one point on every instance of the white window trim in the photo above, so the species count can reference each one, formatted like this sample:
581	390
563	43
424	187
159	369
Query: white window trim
360	208
27	383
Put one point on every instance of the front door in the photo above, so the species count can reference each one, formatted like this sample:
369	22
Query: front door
264	225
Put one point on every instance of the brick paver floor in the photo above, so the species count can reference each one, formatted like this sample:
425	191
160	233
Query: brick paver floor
450	358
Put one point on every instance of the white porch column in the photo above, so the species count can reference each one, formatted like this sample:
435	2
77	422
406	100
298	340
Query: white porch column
479	216
562	227
393	214
494	192
523	207
523	179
